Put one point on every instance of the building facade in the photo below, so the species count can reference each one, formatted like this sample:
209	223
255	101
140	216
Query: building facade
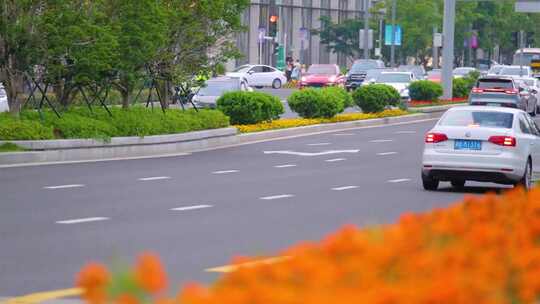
296	19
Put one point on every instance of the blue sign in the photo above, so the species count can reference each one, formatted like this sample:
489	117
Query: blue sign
388	35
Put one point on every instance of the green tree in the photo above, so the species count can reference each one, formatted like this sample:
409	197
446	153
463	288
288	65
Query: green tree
341	38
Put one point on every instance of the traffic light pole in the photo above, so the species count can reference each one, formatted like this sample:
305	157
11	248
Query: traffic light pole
393	39
448	47
366	29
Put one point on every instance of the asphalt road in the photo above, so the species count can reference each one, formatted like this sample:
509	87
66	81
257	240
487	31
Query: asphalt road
240	201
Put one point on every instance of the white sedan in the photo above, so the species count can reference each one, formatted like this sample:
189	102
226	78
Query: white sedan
479	143
398	80
260	76
4	106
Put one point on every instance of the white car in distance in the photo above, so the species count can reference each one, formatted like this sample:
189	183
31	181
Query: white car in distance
398	80
481	143
4	106
260	76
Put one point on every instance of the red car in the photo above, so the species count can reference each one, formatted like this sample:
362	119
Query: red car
322	75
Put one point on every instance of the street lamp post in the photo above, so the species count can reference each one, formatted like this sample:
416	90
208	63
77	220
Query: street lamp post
448	47
366	29
393	39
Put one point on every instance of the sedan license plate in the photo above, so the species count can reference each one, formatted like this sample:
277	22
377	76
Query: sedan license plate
465	144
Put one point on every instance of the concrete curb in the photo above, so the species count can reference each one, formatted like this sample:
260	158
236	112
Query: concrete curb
69	151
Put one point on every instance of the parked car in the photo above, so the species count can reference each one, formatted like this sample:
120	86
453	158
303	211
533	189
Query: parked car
371	76
399	81
418	70
501	91
485	144
260	76
516	71
434	75
463	72
214	88
4	106
357	74
322	75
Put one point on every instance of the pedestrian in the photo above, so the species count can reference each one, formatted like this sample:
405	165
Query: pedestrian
288	71
296	73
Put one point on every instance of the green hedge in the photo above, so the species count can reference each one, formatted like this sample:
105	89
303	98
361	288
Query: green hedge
425	90
375	98
460	88
81	123
319	103
250	107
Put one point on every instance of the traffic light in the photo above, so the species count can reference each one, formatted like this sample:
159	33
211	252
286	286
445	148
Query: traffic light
275	48
273	26
530	38
515	39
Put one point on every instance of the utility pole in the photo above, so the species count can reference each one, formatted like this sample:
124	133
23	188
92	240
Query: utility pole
366	29
469	44
521	46
448	46
435	50
393	39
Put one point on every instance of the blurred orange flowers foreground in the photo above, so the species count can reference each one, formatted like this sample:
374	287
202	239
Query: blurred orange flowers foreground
483	250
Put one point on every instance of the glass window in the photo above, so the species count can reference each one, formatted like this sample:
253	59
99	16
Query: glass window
268	69
533	126
394	78
514	71
524	125
495	84
218	88
322	69
478	118
242	69
257	69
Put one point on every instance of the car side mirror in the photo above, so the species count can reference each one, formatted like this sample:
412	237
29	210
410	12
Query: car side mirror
250	72
534	91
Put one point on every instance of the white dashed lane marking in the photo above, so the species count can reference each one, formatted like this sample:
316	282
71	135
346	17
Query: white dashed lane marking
188	208
83	220
406	132
153	178
63	187
225	172
275	197
400	180
344	188
285	166
333	160
344	134
386	153
381	140
319	144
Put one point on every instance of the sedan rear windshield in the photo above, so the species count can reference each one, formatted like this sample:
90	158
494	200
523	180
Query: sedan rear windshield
478	119
495	84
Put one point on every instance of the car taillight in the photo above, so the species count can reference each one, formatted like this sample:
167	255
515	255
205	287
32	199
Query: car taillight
477	90
433	138
511	92
506	141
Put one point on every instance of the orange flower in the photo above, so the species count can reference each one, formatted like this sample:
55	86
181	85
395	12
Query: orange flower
93	279
126	299
150	274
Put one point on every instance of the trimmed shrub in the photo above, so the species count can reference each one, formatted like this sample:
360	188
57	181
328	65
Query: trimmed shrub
425	90
316	103
342	94
393	97
372	98
135	121
20	129
250	107
460	88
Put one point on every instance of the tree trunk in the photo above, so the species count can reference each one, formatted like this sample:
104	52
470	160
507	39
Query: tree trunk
126	98
163	89
14	87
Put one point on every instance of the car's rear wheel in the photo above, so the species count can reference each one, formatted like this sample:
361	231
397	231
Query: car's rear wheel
458	184
259	87
276	84
429	183
526	180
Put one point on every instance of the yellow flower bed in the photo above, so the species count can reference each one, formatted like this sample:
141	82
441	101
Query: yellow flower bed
300	122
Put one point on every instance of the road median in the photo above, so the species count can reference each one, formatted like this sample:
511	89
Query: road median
118	148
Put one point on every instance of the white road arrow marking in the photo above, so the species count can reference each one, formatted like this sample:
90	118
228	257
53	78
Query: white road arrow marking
312	154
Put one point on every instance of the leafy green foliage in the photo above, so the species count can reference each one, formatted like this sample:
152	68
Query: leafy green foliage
18	129
81	123
317	103
250	107
341	37
425	90
460	88
374	98
342	94
10	147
